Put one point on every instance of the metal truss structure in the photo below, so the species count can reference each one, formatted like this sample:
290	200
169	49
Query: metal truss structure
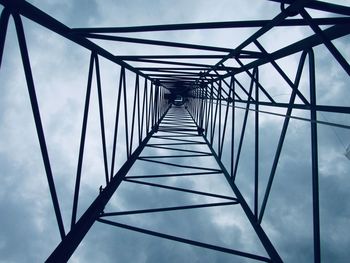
189	103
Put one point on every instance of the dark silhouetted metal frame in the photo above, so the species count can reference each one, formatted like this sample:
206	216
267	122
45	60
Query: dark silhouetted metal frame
211	91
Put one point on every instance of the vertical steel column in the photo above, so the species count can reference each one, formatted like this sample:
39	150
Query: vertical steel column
283	134
156	98
100	104
243	126
115	137
314	156
211	108
126	117
150	108
233	129
256	174
37	119
225	122
82	142
219	131
134	111
144	109
139	126
215	118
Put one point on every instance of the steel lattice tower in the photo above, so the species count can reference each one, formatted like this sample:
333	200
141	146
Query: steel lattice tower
191	104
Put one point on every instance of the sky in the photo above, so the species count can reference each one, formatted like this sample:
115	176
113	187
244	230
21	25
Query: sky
28	230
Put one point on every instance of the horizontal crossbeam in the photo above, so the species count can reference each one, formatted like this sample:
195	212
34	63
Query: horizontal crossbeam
165	209
186	241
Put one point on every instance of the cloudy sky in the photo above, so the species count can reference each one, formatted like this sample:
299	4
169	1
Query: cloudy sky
28	231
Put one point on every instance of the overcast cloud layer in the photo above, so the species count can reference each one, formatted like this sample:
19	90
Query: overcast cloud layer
28	231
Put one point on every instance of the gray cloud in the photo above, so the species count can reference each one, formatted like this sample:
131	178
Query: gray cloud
28	228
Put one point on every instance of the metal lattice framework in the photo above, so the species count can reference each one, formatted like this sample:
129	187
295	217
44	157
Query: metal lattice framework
210	95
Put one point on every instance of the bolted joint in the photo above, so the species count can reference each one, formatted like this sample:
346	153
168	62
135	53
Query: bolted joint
290	12
200	131
229	100
156	82
155	128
